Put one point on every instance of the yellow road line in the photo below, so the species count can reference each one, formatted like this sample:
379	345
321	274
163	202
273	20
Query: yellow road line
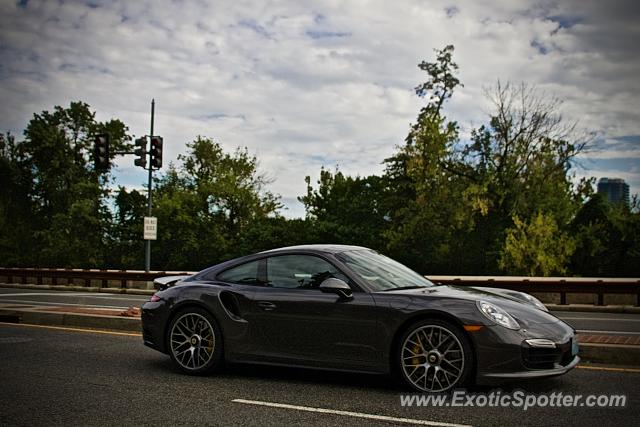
62	328
604	368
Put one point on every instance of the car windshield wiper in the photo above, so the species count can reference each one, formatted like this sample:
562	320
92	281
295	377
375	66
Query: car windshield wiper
403	288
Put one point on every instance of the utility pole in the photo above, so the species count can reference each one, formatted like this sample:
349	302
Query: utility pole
147	257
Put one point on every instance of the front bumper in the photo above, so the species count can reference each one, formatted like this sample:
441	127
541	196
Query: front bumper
504	354
538	373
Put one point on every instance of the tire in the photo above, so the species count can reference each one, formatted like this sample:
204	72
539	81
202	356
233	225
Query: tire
434	356
194	342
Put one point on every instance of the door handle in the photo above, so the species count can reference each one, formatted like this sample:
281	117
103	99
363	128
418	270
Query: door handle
266	305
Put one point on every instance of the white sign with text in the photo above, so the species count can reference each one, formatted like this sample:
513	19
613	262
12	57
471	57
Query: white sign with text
150	228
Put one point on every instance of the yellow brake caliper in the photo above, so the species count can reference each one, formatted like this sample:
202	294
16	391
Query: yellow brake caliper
416	350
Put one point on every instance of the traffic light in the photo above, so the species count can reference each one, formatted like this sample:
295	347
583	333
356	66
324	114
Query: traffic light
156	152
141	152
101	151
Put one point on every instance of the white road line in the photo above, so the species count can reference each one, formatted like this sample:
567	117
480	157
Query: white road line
54	303
131	298
101	295
49	294
349	413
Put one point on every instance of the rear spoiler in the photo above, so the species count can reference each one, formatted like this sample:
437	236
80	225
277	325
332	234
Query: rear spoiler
162	283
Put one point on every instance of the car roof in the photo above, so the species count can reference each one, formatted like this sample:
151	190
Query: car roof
324	248
327	248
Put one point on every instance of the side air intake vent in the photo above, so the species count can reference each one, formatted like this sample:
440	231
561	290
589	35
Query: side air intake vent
230	304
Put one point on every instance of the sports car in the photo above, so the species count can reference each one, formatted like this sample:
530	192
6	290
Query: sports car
350	308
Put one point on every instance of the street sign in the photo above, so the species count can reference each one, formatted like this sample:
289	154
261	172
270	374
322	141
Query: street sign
150	228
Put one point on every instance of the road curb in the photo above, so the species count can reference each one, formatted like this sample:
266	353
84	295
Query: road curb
118	323
610	354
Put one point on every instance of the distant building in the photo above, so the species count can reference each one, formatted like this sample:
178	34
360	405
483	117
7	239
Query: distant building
614	189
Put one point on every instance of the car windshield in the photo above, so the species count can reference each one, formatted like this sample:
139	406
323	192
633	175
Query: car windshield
382	273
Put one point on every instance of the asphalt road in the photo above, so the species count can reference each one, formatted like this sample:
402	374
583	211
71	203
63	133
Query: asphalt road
582	321
86	299
59	377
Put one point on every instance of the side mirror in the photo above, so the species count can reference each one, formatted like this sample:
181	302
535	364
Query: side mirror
336	286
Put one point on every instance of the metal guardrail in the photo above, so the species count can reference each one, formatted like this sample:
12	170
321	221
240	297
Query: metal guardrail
86	276
559	285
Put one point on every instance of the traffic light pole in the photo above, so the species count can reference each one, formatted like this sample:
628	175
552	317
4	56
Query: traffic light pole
147	255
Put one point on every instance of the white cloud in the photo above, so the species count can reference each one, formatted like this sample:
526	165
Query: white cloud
306	84
611	154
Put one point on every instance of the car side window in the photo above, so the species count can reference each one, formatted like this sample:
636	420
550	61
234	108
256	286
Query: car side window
245	274
300	271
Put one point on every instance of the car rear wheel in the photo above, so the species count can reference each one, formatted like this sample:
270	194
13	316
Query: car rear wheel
195	343
434	356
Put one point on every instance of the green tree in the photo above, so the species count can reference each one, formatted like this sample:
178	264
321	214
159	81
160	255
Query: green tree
607	239
427	211
68	218
206	204
458	198
15	205
228	185
274	232
126	247
536	247
629	220
189	237
346	210
519	164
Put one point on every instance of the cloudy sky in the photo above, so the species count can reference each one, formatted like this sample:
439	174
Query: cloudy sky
304	84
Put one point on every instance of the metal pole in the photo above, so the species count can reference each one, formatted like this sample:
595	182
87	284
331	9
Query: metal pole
149	199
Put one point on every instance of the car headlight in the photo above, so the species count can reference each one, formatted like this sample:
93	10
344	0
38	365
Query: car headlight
497	315
535	301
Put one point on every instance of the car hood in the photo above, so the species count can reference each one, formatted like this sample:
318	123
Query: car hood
522	311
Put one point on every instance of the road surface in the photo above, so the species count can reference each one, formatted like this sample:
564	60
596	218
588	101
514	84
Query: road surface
53	376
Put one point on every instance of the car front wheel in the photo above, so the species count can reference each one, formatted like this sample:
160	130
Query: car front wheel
434	356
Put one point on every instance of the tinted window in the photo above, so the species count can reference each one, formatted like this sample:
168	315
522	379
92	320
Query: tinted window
382	273
246	274
299	271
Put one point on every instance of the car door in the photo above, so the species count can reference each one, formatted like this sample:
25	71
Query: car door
237	301
296	320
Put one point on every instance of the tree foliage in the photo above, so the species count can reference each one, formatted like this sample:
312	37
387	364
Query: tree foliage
502	201
125	248
64	197
15	205
228	186
346	210
205	205
607	239
536	247
499	199
426	219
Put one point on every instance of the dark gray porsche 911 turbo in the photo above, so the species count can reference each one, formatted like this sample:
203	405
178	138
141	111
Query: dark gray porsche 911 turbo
350	308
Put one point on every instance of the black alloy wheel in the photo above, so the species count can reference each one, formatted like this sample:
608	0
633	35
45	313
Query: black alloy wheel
434	356
195	342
